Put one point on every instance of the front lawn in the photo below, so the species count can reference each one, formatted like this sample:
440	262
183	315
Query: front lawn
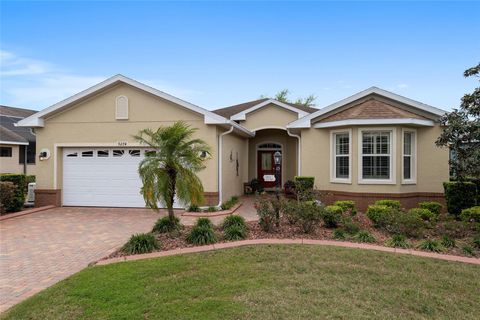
265	282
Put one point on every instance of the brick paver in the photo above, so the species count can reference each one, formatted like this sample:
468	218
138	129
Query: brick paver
40	249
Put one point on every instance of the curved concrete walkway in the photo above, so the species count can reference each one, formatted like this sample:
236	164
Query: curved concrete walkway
344	244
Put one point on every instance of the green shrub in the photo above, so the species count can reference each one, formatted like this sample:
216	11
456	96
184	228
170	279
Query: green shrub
453	228
347	205
447	242
430	245
468	250
204	222
425	214
332	216
7	196
351	227
230	203
266	214
365	236
193	208
376	212
396	221
16	203
476	240
202	235
304	188
165	225
309	215
339	234
459	196
389	203
289	211
235	232
398	241
304	183
434	207
234	220
212	209
141	243
471	214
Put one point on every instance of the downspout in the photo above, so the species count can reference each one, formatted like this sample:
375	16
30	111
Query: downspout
220	155
299	164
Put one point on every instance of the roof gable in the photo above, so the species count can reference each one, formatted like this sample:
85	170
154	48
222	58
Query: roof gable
239	111
384	111
37	119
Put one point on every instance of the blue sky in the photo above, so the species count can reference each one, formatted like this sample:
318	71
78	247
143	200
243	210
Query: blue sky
217	54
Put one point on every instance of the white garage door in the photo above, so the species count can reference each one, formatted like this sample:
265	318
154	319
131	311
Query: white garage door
103	177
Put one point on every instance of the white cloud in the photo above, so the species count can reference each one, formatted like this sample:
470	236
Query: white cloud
36	84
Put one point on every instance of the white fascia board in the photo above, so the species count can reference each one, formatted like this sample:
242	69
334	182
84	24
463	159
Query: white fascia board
14	143
243	115
242	129
305	122
36	120
355	122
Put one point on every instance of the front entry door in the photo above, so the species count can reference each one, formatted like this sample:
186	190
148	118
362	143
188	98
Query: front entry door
266	169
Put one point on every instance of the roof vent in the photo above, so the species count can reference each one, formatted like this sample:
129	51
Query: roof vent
121	108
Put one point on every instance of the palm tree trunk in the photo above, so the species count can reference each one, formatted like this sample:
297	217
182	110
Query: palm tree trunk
173	180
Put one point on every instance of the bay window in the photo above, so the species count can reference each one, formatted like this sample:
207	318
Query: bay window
341	163
376	158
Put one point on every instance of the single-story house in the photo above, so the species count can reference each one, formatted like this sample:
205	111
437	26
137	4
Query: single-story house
372	145
17	144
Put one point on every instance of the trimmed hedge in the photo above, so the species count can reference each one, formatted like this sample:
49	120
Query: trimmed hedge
347	205
19	180
425	214
389	203
332	216
434	207
459	196
7	195
304	183
375	212
471	214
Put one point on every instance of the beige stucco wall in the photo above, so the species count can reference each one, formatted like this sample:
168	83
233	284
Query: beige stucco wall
269	116
11	165
289	144
432	162
232	184
93	122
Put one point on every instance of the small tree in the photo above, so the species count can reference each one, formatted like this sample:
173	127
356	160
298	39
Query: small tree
461	133
170	169
283	96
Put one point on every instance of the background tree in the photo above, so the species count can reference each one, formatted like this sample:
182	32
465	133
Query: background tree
462	133
283	96
170	169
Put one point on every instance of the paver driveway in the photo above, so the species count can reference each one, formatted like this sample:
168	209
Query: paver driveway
38	250
43	248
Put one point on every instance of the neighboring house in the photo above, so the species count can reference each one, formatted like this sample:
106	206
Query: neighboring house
374	144
17	144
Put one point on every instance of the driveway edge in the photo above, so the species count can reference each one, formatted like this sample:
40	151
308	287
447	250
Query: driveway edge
25	212
235	244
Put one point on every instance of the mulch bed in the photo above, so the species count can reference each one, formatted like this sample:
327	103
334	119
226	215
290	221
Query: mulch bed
284	231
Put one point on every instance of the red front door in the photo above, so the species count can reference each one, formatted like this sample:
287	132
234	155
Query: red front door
267	171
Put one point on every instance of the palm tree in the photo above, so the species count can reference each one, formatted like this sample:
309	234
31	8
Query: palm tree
170	169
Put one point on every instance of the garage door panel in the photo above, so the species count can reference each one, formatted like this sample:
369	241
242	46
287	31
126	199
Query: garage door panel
102	181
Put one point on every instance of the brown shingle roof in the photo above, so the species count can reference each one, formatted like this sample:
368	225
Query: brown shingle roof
227	112
10	136
16	112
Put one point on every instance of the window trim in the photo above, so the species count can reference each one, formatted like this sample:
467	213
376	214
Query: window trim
333	162
393	156
413	163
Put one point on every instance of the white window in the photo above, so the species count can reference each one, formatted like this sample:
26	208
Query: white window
341	156
376	158
121	108
409	161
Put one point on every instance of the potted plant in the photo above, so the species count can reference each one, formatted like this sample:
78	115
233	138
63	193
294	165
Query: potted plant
289	187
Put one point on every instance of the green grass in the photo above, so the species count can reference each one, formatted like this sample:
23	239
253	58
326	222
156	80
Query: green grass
265	282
